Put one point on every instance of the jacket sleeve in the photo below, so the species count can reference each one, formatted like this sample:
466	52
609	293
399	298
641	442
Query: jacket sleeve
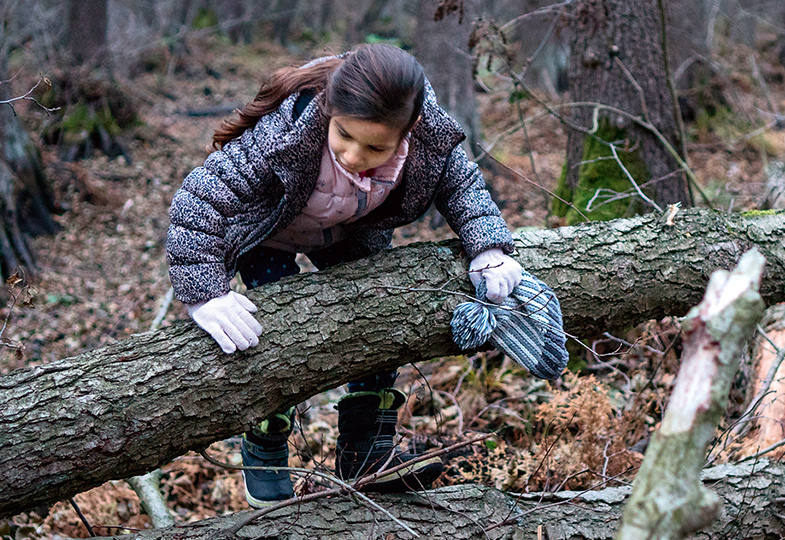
230	181
466	204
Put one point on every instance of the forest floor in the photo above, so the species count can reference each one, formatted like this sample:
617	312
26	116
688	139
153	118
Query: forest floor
103	276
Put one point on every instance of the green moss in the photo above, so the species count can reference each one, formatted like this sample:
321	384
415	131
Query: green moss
577	359
375	38
754	213
721	121
205	18
599	170
81	118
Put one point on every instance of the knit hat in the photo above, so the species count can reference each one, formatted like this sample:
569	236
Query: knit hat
527	327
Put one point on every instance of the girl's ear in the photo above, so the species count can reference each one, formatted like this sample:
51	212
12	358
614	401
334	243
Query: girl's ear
415	123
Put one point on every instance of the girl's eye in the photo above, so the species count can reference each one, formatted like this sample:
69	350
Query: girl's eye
375	149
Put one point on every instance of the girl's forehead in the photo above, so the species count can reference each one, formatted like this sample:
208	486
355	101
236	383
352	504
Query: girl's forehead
367	131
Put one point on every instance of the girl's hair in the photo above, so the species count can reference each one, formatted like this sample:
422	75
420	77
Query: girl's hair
378	82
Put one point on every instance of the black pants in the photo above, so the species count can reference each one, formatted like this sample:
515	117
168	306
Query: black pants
266	265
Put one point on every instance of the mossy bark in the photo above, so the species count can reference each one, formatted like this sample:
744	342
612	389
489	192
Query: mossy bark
132	406
600	178
94	113
619	59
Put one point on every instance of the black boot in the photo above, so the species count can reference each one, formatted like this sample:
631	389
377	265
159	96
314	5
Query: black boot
265	446
366	428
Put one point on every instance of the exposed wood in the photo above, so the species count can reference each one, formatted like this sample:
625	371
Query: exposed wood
749	492
766	417
132	406
668	500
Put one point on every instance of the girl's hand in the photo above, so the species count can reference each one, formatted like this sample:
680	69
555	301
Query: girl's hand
228	320
500	272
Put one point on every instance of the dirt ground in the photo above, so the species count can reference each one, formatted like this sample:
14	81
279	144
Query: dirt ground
103	276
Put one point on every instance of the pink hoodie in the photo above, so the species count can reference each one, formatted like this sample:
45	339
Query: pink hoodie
339	197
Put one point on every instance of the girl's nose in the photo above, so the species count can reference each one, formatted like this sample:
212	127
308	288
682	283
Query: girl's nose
352	159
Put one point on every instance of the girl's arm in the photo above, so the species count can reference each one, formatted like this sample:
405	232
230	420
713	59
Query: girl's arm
232	181
229	183
467	206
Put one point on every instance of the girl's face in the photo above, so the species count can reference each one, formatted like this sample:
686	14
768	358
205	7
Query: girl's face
359	144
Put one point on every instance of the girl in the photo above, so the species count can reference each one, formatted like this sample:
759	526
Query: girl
326	161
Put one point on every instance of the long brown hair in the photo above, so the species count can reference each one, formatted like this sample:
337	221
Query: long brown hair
375	82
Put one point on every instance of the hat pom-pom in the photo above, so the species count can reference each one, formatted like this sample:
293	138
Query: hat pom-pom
472	324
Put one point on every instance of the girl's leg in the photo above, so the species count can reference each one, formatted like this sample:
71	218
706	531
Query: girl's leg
265	445
367	421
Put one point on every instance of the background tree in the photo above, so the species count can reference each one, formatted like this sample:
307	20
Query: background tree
618	58
26	201
86	35
441	44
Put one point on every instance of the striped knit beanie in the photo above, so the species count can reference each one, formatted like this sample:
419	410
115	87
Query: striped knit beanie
527	327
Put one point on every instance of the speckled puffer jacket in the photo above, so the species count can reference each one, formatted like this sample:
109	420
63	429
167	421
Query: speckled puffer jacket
259	182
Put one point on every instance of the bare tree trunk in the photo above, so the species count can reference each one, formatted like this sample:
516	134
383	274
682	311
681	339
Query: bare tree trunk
238	11
750	492
618	58
26	201
132	406
86	36
286	11
442	47
743	22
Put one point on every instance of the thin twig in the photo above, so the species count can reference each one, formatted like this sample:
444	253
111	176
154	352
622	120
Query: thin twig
764	390
508	520
540	11
27	97
532	182
631	179
641	94
165	303
81	517
14	298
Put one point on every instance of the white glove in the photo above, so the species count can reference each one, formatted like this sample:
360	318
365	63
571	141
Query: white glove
500	272
228	320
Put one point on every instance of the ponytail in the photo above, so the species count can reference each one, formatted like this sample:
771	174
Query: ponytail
281	84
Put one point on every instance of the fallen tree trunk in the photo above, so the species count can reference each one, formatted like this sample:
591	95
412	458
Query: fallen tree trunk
750	492
130	407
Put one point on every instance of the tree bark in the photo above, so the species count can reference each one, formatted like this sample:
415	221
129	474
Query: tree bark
750	492
618	58
26	201
86	36
442	47
132	406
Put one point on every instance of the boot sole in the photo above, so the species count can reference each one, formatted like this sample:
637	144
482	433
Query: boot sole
253	502
418	477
